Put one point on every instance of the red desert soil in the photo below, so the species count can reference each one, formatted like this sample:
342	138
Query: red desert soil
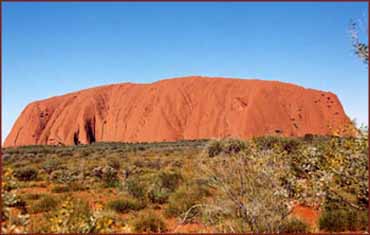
179	108
306	214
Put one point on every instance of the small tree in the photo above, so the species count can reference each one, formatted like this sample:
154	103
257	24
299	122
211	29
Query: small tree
248	191
360	48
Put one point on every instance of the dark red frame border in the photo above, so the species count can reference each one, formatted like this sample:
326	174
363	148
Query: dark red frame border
1	141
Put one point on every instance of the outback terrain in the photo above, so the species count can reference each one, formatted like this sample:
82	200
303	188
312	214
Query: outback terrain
273	184
191	154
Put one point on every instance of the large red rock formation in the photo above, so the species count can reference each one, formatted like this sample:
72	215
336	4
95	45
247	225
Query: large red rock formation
180	108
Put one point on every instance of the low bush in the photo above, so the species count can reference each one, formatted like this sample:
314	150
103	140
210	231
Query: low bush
125	205
107	174
334	220
51	165
350	219
60	189
114	163
61	176
26	173
182	200
77	186
163	185
169	180
266	142
339	220
226	146
149	222
358	220
32	196
135	188
295	226
73	216
214	148
46	203
158	196
233	146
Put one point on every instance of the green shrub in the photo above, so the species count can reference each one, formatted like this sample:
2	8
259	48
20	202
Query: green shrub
337	218
135	188
51	165
295	226
110	177
158	196
334	220
125	205
77	186
46	203
73	216
61	176
214	148
32	196
182	200
357	220
287	144
290	145
149	222
227	146
169	180
25	173
60	189
139	163
233	146
154	164
266	142
163	185
114	163
81	212
308	137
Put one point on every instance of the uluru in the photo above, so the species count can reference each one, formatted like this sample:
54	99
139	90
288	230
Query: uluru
184	108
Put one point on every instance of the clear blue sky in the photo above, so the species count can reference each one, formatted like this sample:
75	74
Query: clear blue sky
53	48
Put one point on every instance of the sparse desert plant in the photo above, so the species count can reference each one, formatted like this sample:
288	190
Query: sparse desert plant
249	188
150	222
46	203
182	203
32	196
12	223
164	184
107	174
74	215
77	186
62	176
361	48
340	220
114	162
135	188
337	170
51	165
214	148
125	205
333	221
226	146
260	180
294	225
26	173
233	146
60	189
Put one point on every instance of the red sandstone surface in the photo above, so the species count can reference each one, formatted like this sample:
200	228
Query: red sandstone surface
176	109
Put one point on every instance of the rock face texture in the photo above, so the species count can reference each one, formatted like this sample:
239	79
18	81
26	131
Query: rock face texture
179	108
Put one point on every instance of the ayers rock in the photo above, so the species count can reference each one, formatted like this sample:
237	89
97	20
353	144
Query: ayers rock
180	108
